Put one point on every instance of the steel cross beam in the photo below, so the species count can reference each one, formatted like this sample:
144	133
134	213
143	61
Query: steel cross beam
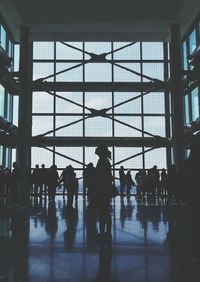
96	58
92	54
63	126
133	156
62	155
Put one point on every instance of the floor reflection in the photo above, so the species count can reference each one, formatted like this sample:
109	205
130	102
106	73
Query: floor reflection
142	242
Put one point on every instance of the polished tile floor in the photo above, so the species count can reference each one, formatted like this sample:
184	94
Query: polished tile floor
150	242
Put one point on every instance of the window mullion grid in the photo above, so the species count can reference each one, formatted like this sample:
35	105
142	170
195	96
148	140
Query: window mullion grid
142	107
54	103
83	100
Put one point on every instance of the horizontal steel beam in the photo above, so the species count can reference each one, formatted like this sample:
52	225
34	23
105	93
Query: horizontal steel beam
11	141
98	86
95	141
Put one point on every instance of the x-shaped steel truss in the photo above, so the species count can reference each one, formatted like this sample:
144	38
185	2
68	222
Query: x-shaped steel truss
97	58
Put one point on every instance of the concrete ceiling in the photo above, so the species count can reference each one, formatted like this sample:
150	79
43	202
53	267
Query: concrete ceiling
98	19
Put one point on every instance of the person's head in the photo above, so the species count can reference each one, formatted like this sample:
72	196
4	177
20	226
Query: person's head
14	164
54	167
36	166
90	165
43	166
103	152
121	167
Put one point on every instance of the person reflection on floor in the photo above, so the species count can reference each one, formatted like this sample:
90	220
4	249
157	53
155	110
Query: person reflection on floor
51	220
105	258
70	233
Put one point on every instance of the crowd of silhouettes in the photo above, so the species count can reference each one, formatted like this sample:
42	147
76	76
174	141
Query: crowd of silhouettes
46	181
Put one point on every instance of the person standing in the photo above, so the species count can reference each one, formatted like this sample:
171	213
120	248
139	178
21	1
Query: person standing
104	180
129	183
122	179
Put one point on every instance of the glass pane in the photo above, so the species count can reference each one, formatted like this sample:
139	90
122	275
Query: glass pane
153	70
41	70
43	50
2	97
13	159
185	61
64	52
98	126
129	53
154	103
125	75
42	102
10	48
9	107
156	157
192	41
15	109
155	126
16	57
75	153
3	38
98	72
152	51
72	130
195	104
41	156
130	107
98	48
63	106
74	74
98	100
125	131
90	156
42	124
123	153
187	115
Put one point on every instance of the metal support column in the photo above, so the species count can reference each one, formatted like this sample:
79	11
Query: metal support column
25	109
177	96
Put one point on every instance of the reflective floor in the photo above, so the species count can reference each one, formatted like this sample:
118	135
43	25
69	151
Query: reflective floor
149	242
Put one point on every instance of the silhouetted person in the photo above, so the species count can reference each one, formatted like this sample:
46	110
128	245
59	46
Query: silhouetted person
64	179
43	179
53	178
137	179
91	179
70	183
122	180
163	182
129	183
103	189
36	179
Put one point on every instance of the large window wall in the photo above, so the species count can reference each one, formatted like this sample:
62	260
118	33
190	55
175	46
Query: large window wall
6	100
149	112
192	97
